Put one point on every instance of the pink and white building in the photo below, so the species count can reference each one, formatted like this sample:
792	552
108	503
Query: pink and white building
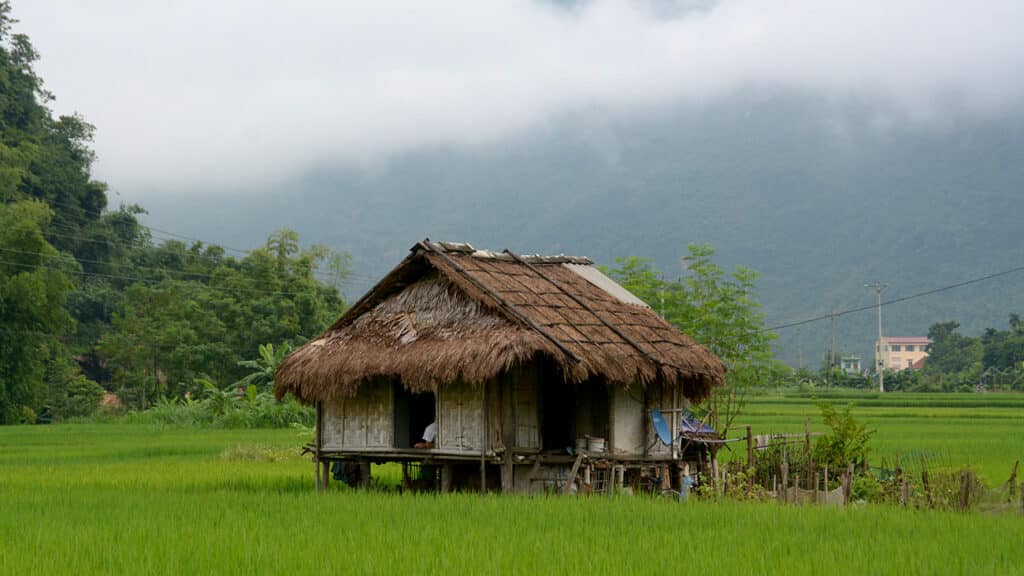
902	352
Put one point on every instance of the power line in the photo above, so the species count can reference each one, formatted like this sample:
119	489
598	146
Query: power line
187	273
100	214
118	241
79	339
195	257
896	300
151	280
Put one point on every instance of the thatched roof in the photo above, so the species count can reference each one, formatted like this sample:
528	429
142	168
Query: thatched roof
450	312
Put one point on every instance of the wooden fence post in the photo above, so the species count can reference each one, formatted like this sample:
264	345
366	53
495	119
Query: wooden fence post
784	476
965	490
750	448
817	479
1012	482
848	489
927	486
810	451
906	492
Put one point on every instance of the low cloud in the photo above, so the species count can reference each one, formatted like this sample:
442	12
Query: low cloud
199	94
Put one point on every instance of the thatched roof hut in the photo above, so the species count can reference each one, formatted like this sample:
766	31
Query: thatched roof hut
449	312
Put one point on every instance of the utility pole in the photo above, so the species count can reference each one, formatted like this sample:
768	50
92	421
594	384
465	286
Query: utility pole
832	349
879	364
661	294
799	351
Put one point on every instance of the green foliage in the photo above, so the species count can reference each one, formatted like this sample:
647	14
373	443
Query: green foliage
199	323
264	368
83	397
847	443
992	361
33	317
230	407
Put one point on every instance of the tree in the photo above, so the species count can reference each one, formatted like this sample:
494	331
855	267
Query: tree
951	352
33	317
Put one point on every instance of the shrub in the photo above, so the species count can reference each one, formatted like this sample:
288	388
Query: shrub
847	443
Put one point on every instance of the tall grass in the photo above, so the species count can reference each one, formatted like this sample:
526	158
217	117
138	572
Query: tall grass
144	499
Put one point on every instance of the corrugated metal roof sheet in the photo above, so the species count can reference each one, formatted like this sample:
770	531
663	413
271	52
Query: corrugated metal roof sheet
597	278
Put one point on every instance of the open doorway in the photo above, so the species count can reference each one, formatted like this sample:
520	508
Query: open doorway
592	409
413	413
571	411
557	421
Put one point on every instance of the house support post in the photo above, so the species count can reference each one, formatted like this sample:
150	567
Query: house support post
317	442
364	473
506	417
446	478
483	442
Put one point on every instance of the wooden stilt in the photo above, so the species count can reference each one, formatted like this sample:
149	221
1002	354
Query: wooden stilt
446	478
364	473
507	474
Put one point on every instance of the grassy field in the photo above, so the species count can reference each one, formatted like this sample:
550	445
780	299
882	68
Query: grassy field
137	499
983	431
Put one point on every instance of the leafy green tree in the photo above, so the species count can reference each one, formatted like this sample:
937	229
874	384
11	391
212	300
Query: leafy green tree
33	317
951	352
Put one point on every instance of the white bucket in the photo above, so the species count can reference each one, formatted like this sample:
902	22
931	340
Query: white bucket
595	444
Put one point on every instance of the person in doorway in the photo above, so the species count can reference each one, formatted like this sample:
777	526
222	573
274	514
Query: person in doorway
429	436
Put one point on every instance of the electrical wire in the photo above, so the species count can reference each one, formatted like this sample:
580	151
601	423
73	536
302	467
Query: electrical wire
895	300
150	280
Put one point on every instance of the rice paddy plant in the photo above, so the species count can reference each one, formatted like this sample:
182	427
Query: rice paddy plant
143	499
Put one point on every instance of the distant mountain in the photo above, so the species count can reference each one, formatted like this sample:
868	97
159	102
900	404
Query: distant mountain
819	197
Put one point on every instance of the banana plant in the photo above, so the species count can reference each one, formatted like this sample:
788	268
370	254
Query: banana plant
264	367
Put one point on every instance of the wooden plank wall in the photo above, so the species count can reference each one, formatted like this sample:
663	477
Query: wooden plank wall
524	408
460	417
629	420
363	421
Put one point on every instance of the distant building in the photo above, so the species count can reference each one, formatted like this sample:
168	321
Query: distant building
902	352
850	364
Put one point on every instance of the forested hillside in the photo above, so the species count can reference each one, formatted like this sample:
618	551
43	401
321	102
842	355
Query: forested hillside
89	299
820	197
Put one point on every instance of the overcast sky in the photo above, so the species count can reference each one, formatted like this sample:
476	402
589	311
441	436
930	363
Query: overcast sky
199	94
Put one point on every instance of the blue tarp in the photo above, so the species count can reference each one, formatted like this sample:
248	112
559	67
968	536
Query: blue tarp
690	424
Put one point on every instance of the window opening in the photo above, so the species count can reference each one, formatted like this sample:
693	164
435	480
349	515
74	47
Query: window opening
413	413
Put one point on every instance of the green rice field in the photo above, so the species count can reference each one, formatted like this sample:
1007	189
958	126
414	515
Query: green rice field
135	499
982	431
